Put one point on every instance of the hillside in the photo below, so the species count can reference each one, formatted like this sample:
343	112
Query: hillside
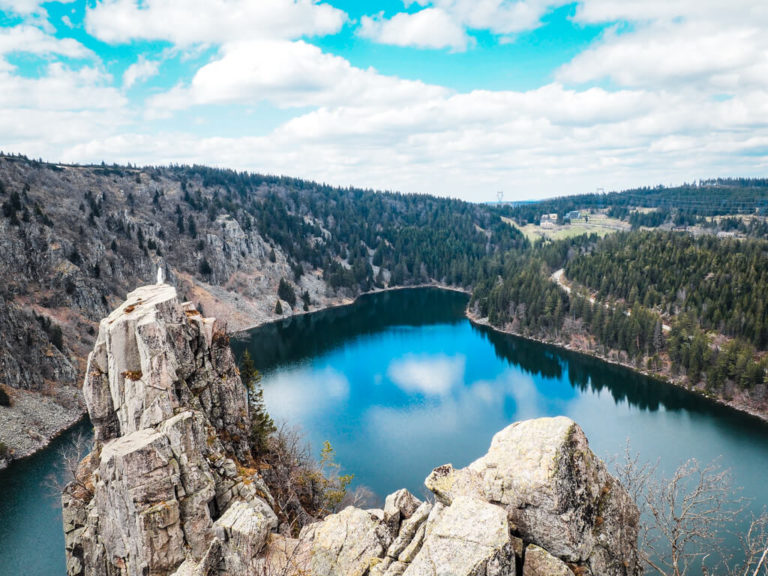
685	309
75	239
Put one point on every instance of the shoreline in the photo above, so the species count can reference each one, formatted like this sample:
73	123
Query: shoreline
745	410
474	320
40	440
241	332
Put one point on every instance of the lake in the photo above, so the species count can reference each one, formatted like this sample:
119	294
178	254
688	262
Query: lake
401	382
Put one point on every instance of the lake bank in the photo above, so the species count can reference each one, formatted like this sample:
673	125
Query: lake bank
740	403
741	406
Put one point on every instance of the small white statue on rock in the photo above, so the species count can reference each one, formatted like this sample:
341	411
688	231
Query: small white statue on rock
160	273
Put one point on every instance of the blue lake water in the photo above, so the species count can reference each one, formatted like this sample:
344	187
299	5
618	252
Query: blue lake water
401	382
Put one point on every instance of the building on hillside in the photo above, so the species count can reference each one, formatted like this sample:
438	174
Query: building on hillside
573	215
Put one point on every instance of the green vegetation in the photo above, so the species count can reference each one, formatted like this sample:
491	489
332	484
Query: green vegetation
723	283
351	234
4	451
5	400
711	294
262	425
286	292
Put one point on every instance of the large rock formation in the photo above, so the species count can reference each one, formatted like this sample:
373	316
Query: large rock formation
167	486
168	489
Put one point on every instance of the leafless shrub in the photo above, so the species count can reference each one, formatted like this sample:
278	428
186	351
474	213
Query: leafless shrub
68	472
304	489
686	518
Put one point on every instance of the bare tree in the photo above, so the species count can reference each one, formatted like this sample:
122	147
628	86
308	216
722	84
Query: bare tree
685	519
68	470
754	548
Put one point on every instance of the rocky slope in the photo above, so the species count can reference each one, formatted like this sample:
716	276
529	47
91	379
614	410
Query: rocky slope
75	239
169	488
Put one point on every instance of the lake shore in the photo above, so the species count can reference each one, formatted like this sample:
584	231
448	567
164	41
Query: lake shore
332	304
34	420
740	405
39	439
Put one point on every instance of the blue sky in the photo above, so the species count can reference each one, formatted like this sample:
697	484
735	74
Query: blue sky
459	98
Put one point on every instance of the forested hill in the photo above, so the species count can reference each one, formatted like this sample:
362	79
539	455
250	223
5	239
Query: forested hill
248	248
75	239
689	309
678	205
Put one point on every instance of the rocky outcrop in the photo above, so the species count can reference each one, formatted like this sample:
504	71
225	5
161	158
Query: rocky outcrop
539	503
168	489
167	486
556	492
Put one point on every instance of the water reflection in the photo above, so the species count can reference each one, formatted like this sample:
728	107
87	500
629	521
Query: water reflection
435	375
402	382
310	335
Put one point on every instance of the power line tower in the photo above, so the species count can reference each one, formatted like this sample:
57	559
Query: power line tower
500	196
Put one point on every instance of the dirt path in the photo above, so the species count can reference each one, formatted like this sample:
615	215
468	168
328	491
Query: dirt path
559	278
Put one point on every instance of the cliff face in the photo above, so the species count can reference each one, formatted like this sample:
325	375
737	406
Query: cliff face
72	242
168	489
167	482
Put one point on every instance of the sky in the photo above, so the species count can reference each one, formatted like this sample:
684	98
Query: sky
460	98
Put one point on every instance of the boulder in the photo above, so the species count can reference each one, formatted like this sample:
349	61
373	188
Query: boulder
468	538
539	562
399	506
345	544
244	529
557	494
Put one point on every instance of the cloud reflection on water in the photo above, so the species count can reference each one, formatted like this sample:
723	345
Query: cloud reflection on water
429	375
302	392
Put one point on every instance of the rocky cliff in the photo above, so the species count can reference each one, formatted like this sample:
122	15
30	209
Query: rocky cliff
75	239
170	489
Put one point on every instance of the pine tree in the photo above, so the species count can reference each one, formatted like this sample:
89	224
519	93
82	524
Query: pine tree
278	308
262	425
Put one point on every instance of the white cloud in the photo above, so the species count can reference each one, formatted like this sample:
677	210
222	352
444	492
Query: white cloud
32	40
139	71
428	375
498	16
295	395
21	7
42	117
289	74
444	23
30	9
673	55
546	141
602	11
188	22
687	98
428	28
